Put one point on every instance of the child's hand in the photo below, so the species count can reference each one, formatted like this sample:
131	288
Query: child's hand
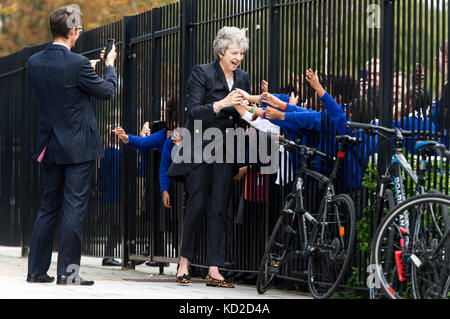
293	99
121	134
313	79
272	100
264	86
273	113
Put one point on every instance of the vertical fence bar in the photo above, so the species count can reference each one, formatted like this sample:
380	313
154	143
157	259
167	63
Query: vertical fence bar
386	77
274	45
127	165
186	52
186	65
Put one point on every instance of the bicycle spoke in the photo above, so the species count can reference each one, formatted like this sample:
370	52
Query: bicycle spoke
415	263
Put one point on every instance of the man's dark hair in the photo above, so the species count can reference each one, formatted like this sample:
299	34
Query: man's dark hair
171	111
63	19
287	89
345	86
420	99
363	110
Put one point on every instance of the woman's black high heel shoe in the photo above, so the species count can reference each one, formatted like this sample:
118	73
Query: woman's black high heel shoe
184	279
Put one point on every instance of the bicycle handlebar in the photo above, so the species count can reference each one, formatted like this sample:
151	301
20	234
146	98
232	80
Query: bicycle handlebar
301	148
437	147
373	128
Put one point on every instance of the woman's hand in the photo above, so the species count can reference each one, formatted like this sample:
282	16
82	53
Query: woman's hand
273	113
241	108
121	134
248	97
232	99
166	199
145	131
244	94
272	100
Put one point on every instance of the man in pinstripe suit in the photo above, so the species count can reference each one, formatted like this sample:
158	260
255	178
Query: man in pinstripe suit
68	143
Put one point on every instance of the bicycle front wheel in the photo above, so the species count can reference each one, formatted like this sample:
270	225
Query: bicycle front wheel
276	249
332	245
411	249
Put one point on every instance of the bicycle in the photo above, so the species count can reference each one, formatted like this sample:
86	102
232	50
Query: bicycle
326	238
421	248
392	179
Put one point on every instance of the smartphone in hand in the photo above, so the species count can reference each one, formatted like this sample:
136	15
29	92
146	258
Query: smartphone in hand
109	47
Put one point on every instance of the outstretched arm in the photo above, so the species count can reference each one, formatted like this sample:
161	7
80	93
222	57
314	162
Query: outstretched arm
334	110
95	86
164	180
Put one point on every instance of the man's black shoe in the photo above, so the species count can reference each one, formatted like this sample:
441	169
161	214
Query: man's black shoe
40	278
110	262
62	280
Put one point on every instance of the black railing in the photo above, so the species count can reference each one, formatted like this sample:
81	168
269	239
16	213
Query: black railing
156	52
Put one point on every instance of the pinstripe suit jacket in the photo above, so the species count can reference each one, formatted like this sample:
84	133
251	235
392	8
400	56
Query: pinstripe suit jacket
64	83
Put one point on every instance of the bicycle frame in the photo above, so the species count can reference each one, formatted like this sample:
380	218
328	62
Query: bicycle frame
328	196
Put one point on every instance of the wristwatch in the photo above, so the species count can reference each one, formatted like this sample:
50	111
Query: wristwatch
283	115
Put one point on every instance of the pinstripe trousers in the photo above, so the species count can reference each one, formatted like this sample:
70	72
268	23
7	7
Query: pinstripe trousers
66	190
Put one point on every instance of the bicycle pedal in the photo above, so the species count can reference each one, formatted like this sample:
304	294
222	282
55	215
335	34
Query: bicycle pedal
274	268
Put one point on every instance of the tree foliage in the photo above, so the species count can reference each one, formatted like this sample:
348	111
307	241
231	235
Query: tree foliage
26	22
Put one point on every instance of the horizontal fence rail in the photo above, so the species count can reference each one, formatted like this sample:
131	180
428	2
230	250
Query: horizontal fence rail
368	55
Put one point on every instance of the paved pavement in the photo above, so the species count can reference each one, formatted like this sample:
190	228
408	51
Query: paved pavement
114	283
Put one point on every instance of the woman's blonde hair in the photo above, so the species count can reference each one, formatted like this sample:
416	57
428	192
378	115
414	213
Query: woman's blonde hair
230	37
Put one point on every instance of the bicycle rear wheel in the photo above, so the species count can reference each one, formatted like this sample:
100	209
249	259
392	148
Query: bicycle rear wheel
276	249
431	279
408	263
332	245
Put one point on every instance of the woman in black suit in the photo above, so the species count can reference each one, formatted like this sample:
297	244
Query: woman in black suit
211	96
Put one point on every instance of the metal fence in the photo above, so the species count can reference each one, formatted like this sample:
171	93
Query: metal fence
367	41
